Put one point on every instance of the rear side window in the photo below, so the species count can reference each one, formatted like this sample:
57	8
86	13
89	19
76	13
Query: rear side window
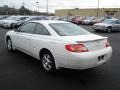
117	22
28	28
41	30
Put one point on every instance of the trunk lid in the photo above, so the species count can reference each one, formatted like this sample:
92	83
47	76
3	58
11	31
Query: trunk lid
92	42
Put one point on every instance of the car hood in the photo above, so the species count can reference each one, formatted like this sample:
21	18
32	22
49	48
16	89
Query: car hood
87	20
10	21
1	20
102	24
83	38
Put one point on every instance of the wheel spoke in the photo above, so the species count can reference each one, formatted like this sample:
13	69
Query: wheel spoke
49	66
47	62
9	44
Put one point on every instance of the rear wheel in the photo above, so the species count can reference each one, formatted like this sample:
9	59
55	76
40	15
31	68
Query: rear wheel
48	62
109	29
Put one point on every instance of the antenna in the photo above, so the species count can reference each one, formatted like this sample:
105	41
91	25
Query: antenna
23	4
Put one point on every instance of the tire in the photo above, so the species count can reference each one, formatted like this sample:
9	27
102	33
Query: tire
82	23
12	26
91	23
109	29
9	44
48	62
96	30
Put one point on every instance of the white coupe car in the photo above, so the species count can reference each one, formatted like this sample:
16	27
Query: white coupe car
60	44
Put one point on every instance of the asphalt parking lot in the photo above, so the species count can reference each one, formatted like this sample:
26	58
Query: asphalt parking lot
19	71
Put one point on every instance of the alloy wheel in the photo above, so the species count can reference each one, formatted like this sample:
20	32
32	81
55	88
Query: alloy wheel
47	62
109	29
9	44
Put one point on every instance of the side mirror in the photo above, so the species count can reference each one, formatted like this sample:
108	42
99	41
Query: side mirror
16	29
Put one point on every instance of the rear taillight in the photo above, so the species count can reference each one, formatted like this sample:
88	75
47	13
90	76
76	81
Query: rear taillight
76	48
107	43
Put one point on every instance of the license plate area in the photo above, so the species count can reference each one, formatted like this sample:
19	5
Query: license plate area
101	58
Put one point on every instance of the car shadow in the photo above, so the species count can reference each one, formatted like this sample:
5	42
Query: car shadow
82	76
106	32
69	75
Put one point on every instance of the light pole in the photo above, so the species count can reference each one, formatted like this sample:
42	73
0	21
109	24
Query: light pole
98	9
38	7
47	6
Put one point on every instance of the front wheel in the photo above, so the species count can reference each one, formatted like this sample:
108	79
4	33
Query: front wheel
48	62
12	26
9	44
109	29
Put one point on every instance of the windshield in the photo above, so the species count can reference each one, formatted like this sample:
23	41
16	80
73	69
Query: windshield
23	18
68	29
20	18
108	21
11	18
15	18
0	17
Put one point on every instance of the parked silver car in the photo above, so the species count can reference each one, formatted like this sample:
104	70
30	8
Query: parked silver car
88	20
108	25
10	23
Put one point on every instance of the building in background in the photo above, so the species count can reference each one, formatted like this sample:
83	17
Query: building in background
7	10
111	12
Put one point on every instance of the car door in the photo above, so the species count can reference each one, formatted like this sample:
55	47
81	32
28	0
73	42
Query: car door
116	25
23	36
40	39
118	28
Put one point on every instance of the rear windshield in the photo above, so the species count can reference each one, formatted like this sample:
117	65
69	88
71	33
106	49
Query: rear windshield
68	29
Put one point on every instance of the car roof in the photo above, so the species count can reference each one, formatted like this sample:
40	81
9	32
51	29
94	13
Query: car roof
113	19
48	21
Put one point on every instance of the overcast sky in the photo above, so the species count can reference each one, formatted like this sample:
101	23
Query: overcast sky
61	4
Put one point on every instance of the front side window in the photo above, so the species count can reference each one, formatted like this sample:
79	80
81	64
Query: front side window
108	21
41	30
117	22
28	28
68	29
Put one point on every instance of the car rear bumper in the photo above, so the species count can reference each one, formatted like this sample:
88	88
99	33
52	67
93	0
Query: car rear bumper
87	59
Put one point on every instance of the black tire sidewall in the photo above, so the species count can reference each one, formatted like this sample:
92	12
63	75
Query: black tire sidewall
109	28
12	26
11	45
